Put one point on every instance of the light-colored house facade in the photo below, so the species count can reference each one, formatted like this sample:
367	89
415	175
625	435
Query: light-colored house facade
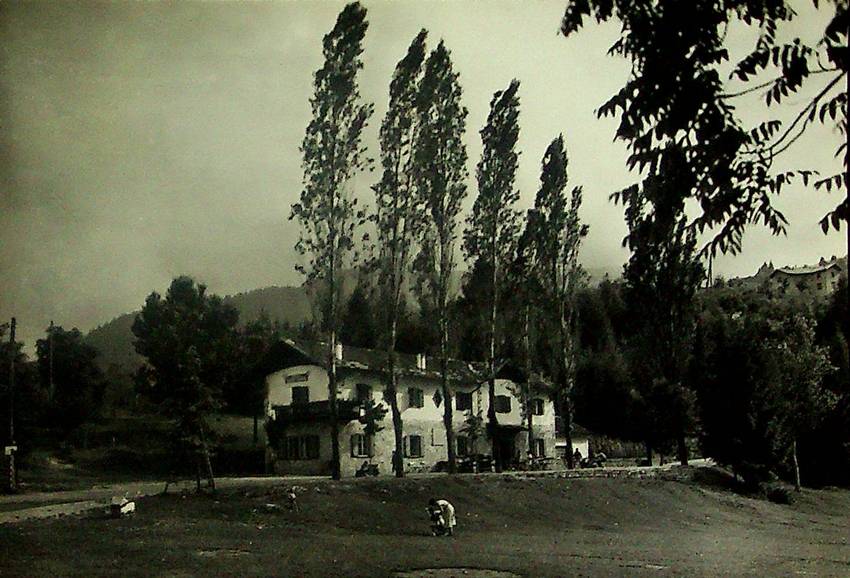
298	403
820	280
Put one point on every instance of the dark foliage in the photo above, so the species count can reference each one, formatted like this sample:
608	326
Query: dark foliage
760	379
77	380
189	340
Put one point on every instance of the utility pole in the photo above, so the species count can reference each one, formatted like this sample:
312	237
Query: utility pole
51	389
9	450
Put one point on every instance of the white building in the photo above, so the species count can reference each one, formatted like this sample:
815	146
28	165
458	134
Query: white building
297	404
820	280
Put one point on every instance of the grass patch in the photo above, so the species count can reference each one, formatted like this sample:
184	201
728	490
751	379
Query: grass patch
378	527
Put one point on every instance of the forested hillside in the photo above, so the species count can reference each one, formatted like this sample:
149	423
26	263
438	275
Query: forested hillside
287	305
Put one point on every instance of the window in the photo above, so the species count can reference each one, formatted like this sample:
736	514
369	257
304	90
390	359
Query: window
360	446
297	377
415	397
301	447
539	448
300	395
463	400
462	446
413	447
436	438
364	393
537	406
503	404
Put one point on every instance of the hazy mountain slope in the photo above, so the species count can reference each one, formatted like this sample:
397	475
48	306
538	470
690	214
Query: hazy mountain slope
114	343
114	340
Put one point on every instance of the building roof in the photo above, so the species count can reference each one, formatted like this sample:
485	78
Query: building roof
806	270
291	352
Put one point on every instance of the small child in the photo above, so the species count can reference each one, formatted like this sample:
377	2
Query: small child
438	523
442	515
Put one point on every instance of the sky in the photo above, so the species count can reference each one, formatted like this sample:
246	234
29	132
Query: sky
140	141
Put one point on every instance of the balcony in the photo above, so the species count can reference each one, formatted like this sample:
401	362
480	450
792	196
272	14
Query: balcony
316	411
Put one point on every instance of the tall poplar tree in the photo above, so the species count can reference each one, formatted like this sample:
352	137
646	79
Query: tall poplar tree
333	153
524	284
399	212
560	234
440	161
493	226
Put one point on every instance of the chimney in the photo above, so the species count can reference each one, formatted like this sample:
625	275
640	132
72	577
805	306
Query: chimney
420	361
338	352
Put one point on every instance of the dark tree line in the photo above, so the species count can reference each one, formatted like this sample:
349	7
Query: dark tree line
678	120
764	382
55	394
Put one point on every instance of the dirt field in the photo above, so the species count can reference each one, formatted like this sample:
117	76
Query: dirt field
540	527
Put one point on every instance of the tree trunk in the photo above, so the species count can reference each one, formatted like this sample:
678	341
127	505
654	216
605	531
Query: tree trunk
447	398
392	394
797	485
567	420
256	431
648	447
566	383
529	410
682	448
492	420
205	453
332	393
398	431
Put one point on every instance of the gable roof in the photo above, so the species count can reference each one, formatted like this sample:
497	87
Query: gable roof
291	352
806	270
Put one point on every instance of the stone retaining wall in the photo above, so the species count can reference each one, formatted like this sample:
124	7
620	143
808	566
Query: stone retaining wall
674	472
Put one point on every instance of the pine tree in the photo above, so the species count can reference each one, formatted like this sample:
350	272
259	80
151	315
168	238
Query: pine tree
188	339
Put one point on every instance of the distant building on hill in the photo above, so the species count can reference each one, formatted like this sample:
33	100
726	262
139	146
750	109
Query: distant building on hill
298	406
818	280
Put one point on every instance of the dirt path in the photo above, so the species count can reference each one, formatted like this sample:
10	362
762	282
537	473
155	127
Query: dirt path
37	505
